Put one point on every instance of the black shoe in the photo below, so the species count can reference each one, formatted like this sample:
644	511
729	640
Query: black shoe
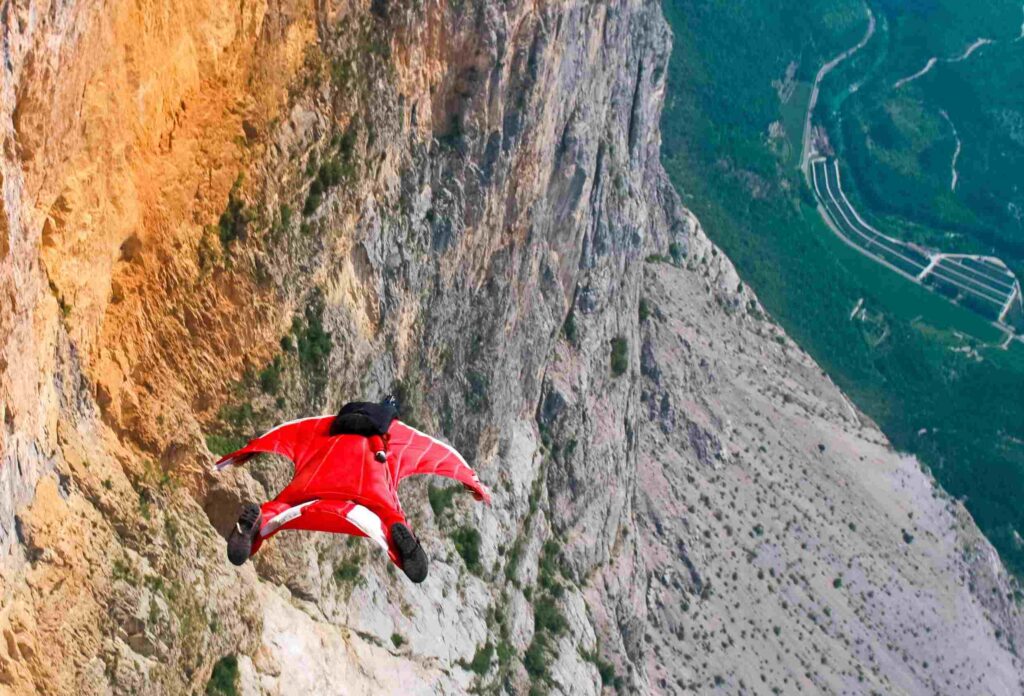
412	555
244	533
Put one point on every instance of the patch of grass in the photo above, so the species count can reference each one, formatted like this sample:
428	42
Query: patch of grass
224	678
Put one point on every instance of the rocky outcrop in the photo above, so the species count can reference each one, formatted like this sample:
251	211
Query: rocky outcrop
274	207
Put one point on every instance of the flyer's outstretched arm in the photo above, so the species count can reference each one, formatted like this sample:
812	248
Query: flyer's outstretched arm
416	453
293	440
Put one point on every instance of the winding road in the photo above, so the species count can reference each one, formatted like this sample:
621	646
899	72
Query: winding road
805	151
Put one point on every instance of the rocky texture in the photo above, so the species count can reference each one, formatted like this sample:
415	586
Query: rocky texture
273	207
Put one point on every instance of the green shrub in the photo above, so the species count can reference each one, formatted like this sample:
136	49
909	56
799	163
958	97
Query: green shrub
224	679
208	251
313	343
620	356
547	617
341	73
314	198
512	564
346	143
547	568
330	173
645	310
397	640
476	395
570	330
270	376
467	543
535	660
234	221
236	415
607	672
348	572
441	498
675	250
481	663
505	652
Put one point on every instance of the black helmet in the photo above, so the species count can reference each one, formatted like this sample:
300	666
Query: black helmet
390	402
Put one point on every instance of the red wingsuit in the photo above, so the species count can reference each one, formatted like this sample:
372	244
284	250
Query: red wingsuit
339	486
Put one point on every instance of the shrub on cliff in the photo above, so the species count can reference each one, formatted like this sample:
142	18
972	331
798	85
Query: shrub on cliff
644	310
467	543
570	330
440	498
224	679
481	662
547	617
535	659
620	356
234	221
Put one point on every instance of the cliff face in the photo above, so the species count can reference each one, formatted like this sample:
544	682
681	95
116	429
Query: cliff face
217	218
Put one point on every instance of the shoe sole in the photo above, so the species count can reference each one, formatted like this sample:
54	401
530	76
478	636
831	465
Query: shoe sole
414	558
242	536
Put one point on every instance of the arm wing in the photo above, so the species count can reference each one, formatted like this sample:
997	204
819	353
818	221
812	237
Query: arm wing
418	453
296	440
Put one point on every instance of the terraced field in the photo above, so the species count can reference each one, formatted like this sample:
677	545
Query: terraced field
982	284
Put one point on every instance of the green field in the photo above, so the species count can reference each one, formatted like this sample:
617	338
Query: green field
911	360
